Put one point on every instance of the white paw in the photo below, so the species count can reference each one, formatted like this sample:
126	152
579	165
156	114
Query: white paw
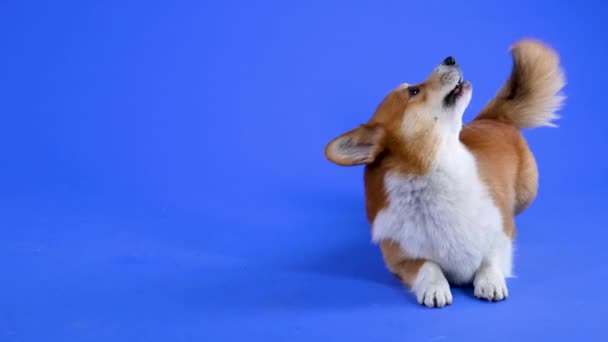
431	287
490	285
435	295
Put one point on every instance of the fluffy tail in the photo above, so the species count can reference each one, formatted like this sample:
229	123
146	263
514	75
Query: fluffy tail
531	95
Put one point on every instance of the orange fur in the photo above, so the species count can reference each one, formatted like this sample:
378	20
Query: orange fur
502	159
531	95
399	264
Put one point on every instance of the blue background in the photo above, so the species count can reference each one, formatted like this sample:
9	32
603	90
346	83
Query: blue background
162	173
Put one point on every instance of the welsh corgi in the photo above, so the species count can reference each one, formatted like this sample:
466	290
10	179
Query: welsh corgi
441	196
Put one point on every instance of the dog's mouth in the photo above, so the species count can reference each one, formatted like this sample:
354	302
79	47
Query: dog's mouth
451	97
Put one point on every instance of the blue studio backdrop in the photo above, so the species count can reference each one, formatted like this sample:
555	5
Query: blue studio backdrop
163	176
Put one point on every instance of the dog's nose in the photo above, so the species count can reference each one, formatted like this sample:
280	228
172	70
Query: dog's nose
449	61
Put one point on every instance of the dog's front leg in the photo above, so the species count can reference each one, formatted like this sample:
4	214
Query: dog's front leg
423	277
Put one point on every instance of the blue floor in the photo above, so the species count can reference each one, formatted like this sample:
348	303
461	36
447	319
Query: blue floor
89	270
163	178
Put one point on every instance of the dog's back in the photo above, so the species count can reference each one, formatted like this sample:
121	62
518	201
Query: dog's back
528	99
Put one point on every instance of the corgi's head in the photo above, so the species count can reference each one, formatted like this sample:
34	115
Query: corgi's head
410	123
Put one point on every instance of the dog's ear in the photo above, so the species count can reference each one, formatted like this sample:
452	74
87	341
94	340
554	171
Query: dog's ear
358	146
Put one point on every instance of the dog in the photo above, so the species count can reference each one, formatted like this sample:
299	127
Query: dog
441	196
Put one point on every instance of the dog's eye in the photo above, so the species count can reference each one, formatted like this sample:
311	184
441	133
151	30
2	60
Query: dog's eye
413	91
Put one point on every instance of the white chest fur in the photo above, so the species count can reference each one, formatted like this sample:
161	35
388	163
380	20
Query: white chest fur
446	216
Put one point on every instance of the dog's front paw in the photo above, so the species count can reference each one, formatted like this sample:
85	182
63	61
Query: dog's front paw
431	287
435	295
490	285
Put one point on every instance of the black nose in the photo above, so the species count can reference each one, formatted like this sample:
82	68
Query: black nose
449	61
